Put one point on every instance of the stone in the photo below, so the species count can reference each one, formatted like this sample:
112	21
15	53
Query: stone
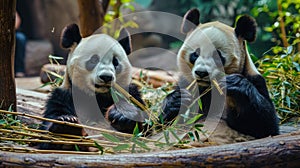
37	53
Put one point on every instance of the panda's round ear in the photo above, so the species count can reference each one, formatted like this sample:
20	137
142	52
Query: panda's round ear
125	40
246	28
70	35
190	20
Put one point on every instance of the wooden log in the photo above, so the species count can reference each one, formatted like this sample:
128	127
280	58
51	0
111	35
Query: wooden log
279	151
7	55
155	77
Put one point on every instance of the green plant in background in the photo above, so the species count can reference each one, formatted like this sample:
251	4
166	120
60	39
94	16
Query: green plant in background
279	24
112	26
280	64
55	76
282	73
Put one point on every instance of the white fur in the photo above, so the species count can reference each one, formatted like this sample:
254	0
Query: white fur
106	48
210	37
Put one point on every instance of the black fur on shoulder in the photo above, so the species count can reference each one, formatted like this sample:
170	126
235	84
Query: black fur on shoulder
190	20
70	35
59	103
246	28
125	40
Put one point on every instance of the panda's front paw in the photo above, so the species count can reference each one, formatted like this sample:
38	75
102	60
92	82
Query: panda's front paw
121	122
65	129
235	84
175	102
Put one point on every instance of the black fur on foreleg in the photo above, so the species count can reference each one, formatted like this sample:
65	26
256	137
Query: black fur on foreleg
120	122
175	102
60	107
248	111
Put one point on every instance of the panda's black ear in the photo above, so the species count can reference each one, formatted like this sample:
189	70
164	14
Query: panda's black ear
125	40
246	28
70	35
190	20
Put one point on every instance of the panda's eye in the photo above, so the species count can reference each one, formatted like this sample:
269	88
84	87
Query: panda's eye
219	59
194	56
115	61
92	62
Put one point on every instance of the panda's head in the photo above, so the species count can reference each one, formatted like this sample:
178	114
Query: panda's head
212	49
96	62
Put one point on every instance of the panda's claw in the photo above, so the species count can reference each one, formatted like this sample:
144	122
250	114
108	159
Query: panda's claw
61	128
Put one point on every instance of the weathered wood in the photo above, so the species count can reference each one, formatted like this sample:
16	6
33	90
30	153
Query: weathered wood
155	77
280	151
91	15
30	102
7	54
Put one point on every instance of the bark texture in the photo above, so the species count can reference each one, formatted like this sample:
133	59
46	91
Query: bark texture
7	54
91	15
279	151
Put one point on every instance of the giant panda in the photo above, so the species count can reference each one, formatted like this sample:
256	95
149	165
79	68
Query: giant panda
94	64
217	51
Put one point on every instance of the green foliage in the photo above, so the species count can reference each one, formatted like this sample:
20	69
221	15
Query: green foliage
275	19
113	19
282	76
58	79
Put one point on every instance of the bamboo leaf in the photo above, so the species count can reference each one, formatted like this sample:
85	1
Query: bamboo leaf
141	144
136	131
194	119
200	104
121	147
111	137
101	149
77	148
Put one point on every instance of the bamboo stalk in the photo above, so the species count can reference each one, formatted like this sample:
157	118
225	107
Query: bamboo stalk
215	83
75	125
16	149
205	92
47	141
66	123
133	100
130	97
192	84
26	134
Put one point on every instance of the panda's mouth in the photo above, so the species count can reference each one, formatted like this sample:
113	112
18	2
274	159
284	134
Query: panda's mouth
201	82
99	86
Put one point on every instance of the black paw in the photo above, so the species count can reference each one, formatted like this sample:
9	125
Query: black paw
235	84
65	129
175	102
120	122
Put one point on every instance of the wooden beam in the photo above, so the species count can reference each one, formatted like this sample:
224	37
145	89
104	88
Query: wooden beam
279	151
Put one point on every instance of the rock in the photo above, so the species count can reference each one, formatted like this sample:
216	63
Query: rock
37	53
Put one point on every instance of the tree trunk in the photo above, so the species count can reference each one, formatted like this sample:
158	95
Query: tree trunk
91	15
7	54
279	151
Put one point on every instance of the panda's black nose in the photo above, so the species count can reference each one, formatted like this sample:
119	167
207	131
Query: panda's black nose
106	78
202	74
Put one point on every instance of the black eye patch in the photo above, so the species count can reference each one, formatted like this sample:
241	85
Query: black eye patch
92	62
194	56
219	59
115	61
